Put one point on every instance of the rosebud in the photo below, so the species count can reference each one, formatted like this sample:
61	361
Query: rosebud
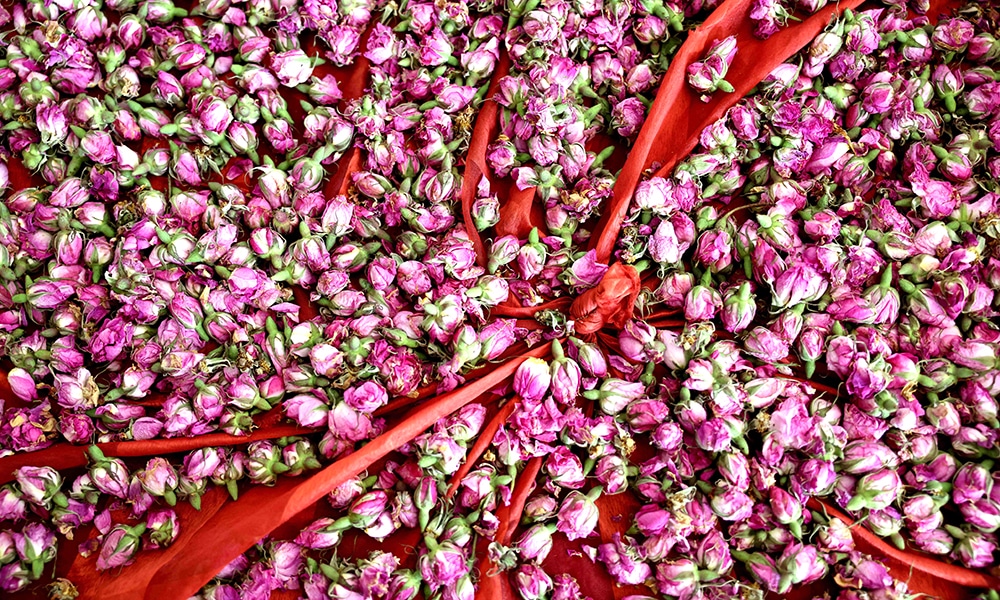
738	308
532	379
292	67
800	563
532	582
443	566
536	542
678	578
159	479
731	504
591	359
119	547
578	515
163	526
876	491
366	510
615	394
38	485
713	553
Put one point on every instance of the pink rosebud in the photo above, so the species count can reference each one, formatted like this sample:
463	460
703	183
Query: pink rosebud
38	485
292	67
976	549
496	338
532	582
765	345
799	283
586	272
119	547
320	534
713	436
591	359
536	542
615	394
627	116
99	147
738	308
163	527
52	123
815	477
159	478
678	578
287	561
801	563
715	250
367	397
532	379
876	491
12	507
413	278
701	303
566	379
35	544
731	504
443	566
713	553
564	469
347	423
577	516
22	384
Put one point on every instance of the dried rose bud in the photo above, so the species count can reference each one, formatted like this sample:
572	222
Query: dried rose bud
578	514
119	546
532	379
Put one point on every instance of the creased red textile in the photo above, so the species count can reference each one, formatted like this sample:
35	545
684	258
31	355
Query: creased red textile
925	574
610	302
520	213
485	130
67	456
211	541
678	116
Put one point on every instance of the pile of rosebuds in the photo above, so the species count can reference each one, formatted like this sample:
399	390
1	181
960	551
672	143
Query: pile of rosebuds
243	243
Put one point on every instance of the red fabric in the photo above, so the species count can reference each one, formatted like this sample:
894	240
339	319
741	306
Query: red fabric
519	214
68	456
610	302
512	309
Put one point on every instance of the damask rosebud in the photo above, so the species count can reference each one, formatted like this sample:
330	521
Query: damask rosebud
532	379
678	578
876	491
578	515
800	563
38	485
159	479
119	546
163	527
536	542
